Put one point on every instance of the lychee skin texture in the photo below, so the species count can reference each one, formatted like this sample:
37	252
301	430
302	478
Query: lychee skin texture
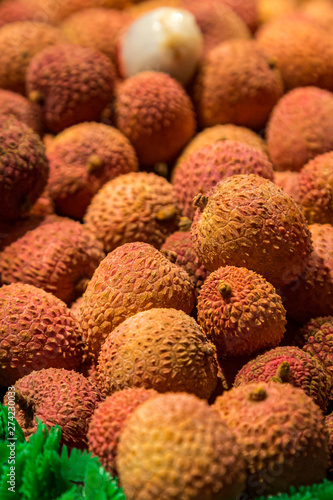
316	189
281	433
316	338
303	51
176	446
240	311
155	113
180	242
161	349
300	127
288	181
229	132
98	28
289	365
57	397
20	42
71	83
311	294
24	168
108	422
37	331
246	9
133	278
205	167
217	22
12	11
83	158
59	257
236	83
249	222
138	206
21	109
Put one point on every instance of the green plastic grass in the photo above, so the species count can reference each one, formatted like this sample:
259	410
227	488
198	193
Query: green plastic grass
43	473
322	491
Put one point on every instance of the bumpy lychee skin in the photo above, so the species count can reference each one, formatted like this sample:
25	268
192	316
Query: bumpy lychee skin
22	41
246	9
72	84
281	433
181	243
138	206
217	22
133	278
24	168
289	365
108	421
205	167
156	114
57	397
176	446
236	83
83	158
161	349
98	28
61	9
10	232
229	132
288	181
37	331
311	294
247	221
300	127
20	108
12	11
240	311
316	338
302	49
59	258
316	189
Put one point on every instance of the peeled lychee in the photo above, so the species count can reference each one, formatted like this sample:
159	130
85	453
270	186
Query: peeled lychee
164	39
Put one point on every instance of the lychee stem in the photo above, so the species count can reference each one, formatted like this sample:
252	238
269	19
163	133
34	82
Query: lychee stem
37	97
94	163
282	373
224	289
258	394
170	255
81	285
200	201
184	224
167	214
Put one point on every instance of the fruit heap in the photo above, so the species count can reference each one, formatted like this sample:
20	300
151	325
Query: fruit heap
166	248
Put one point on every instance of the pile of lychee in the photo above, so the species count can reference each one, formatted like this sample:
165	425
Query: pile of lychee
166	238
